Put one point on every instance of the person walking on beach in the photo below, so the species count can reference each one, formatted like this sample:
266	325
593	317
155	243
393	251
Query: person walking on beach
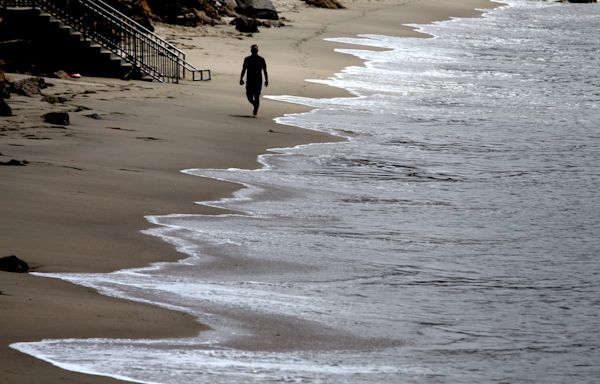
254	66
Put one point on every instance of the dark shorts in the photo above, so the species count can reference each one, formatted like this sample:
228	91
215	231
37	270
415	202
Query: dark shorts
253	88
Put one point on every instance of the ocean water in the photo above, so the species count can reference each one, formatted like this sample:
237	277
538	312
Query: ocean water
453	238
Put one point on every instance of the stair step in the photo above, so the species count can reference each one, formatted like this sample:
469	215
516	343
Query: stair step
78	37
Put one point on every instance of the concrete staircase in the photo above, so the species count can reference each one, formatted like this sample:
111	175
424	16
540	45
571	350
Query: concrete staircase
92	37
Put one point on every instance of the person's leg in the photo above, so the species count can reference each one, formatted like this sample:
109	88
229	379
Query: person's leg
250	96
254	99
256	103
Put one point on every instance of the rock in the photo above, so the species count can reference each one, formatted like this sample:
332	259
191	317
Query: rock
258	9
184	12
270	23
188	19
54	99
61	75
329	4
245	24
4	87
134	74
203	18
13	264
209	7
14	162
59	118
28	87
138	10
228	8
5	109
94	116
144	21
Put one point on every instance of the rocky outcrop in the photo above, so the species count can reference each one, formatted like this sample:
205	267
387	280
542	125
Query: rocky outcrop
28	87
184	12
258	9
13	264
206	12
137	10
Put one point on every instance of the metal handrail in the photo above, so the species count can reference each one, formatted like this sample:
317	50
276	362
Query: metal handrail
119	34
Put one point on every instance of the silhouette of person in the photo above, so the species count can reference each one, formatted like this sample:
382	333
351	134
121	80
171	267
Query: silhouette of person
254	66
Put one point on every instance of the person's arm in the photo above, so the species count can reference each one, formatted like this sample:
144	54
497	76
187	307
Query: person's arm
243	73
266	75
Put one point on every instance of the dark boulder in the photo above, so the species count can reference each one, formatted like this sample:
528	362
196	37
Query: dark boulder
59	118
13	264
5	109
245	24
258	9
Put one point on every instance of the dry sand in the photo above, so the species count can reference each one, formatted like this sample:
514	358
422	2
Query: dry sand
79	204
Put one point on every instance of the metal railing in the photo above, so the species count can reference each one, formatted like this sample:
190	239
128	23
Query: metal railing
103	24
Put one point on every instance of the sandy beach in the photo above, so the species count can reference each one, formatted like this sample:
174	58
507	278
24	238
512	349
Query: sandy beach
79	203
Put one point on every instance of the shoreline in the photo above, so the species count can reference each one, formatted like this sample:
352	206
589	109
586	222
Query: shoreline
121	168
